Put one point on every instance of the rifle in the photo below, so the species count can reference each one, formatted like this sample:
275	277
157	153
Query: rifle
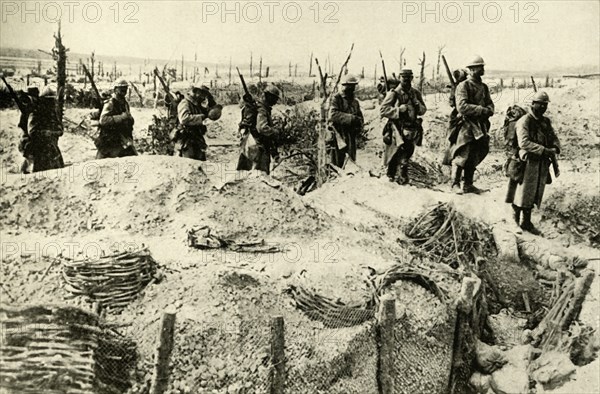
247	96
163	84
384	73
533	83
94	88
553	160
450	76
138	93
14	96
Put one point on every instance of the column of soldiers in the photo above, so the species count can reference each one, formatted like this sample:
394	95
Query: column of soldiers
532	150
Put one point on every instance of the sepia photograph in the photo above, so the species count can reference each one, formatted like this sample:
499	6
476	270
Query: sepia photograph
300	197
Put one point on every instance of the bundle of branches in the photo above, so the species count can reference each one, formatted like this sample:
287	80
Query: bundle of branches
565	304
203	237
426	174
112	281
448	237
333	314
160	141
378	283
47	349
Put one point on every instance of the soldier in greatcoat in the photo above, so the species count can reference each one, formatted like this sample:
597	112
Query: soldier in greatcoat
475	107
538	146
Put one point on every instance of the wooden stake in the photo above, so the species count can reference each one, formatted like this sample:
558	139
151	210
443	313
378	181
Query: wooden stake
386	346
277	355
160	378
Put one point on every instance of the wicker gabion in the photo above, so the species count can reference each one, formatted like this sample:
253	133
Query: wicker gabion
112	281
47	349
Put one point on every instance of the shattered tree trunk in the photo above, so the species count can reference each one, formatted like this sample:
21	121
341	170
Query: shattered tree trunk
422	75
59	53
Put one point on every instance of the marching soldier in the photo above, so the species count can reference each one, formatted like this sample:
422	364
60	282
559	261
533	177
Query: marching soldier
402	106
44	128
191	113
28	99
259	132
475	107
347	122
116	125
537	148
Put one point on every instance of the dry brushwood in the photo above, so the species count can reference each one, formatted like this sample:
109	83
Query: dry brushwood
335	314
446	236
113	281
203	237
426	174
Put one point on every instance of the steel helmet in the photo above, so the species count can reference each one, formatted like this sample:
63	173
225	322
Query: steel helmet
215	112
48	92
406	72
120	83
350	79
540	97
477	61
273	90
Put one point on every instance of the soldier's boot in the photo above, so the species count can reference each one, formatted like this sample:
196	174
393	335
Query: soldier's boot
456	178
517	219
468	186
404	180
527	225
516	214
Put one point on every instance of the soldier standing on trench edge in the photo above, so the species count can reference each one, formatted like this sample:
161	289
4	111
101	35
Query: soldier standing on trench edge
347	121
192	111
475	107
403	132
116	125
537	148
44	128
258	132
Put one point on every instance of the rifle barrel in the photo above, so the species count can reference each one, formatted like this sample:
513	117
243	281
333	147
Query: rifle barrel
13	95
384	73
450	76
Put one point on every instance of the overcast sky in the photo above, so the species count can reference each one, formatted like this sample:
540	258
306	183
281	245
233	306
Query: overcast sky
509	35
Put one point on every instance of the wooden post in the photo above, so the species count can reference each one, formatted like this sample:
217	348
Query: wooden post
310	65
250	64
160	378
229	74
386	345
290	69
277	355
260	70
296	70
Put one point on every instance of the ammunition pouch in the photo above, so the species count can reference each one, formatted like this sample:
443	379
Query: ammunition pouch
514	168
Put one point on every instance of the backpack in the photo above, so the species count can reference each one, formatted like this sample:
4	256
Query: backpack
249	114
513	114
